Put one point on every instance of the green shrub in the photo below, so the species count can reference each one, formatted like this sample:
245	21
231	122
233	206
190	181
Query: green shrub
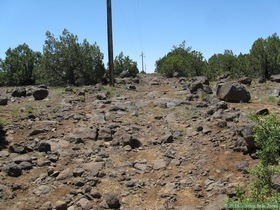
267	138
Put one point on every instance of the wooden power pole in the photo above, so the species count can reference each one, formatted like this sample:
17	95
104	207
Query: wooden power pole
110	43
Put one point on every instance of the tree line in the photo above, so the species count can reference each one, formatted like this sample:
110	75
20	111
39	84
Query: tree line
64	61
262	61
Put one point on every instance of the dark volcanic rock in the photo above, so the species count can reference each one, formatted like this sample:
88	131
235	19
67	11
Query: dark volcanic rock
247	133
3	101
233	92
112	199
195	86
40	94
44	147
14	170
36	132
19	92
263	111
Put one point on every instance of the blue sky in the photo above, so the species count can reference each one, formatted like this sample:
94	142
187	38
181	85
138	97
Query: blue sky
151	26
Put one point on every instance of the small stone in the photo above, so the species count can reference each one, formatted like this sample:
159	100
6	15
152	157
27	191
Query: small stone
44	147
101	96
46	206
79	182
64	174
60	205
26	165
22	158
17	148
112	199
197	188
78	171
127	148
243	166
14	170
84	203
206	130
95	193
42	190
167	139
141	166
159	164
4	154
130	183
264	111
36	132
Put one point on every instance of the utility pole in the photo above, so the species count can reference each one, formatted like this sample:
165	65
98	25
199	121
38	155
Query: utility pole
110	43
142	56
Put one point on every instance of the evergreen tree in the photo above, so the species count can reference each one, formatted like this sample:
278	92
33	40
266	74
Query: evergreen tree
66	61
18	67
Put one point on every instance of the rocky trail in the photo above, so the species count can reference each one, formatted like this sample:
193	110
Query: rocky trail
148	143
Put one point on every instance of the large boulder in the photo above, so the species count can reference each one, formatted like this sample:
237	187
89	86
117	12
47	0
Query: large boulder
19	92
233	92
275	78
40	94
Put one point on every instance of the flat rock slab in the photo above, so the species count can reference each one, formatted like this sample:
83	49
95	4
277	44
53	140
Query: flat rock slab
93	167
159	164
66	173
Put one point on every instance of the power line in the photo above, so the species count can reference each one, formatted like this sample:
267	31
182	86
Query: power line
126	25
138	24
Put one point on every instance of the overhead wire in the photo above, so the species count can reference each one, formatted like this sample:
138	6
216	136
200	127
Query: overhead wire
126	25
138	24
136	19
139	31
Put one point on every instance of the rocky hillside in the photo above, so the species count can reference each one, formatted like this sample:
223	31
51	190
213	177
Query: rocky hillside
148	143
